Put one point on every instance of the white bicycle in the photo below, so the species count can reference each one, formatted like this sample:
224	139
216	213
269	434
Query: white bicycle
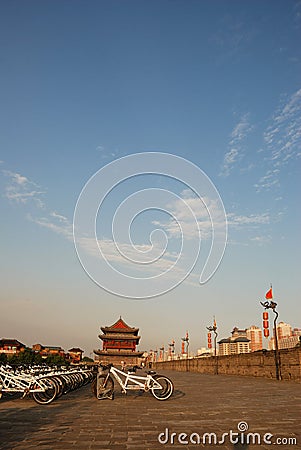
160	386
42	388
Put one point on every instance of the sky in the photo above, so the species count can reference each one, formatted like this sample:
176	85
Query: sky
118	101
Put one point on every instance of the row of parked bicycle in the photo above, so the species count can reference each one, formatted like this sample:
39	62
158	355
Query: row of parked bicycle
45	384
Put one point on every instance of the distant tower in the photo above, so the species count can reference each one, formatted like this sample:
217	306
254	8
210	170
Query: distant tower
119	343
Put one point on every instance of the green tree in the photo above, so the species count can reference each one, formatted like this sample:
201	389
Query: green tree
38	359
26	357
13	359
3	358
55	360
87	359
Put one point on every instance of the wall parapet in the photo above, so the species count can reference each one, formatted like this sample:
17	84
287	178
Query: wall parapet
258	364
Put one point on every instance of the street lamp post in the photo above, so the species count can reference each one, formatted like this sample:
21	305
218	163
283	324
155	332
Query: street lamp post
162	352
172	349
272	305
210	329
155	355
186	339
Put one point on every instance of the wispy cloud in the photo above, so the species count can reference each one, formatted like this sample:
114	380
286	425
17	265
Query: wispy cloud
20	189
108	154
244	229
252	229
194	221
261	240
297	14
236	147
235	220
201	210
231	37
59	217
282	140
268	181
54	224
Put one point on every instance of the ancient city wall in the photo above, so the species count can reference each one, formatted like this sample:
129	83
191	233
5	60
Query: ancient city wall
257	364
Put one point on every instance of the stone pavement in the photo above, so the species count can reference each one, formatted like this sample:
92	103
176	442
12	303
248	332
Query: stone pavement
201	404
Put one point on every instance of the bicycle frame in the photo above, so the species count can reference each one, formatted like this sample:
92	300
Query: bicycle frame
133	382
11	382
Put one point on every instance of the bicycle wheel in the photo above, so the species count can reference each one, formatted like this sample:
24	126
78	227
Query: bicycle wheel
166	389
104	387
59	385
46	397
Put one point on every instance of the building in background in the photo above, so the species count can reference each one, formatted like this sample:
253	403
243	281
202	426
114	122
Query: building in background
75	354
48	350
11	347
284	330
204	352
287	336
254	334
119	342
237	343
224	347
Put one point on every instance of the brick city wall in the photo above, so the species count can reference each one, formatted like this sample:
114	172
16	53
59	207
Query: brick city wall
257	364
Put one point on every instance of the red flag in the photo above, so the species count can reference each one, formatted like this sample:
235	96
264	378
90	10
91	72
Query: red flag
269	294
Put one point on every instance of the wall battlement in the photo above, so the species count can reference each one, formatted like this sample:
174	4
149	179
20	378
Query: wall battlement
257	364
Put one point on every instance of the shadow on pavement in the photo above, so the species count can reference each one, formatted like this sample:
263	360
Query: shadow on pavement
22	418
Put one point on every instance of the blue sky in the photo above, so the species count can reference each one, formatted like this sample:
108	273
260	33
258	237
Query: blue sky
85	83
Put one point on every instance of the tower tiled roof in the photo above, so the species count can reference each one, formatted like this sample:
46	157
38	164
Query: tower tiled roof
120	326
121	336
122	352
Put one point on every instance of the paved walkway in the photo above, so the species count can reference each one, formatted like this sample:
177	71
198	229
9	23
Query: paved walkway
201	404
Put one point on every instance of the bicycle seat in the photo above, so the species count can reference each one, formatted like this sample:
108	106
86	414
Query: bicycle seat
150	372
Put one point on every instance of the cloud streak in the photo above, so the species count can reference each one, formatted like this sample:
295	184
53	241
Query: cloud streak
282	140
20	189
236	147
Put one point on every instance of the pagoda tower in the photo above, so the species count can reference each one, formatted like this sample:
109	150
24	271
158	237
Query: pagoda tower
119	343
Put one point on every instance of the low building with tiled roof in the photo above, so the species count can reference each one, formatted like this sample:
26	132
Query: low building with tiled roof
48	350
75	354
11	347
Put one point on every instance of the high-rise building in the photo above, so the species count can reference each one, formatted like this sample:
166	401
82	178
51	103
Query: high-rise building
237	343
283	330
287	337
255	335
296	331
224	347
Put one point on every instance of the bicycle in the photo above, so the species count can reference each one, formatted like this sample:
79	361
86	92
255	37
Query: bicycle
44	383
160	386
42	388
